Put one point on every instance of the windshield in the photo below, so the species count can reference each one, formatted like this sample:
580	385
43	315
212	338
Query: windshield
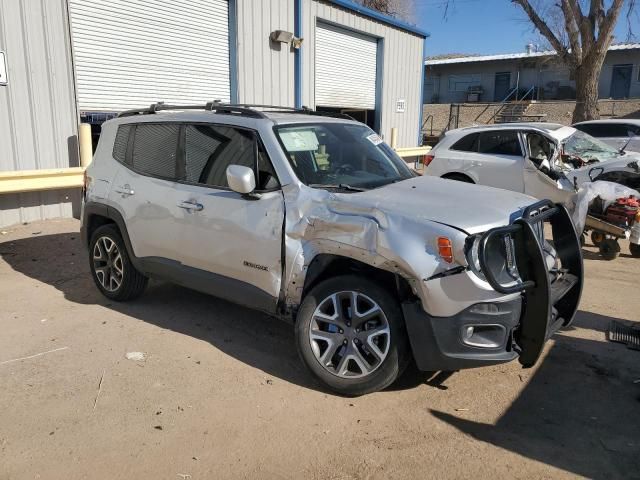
340	155
587	147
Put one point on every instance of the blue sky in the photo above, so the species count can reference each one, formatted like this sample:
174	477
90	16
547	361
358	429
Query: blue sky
483	26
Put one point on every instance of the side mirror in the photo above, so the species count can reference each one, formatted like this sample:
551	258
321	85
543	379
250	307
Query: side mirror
241	179
595	172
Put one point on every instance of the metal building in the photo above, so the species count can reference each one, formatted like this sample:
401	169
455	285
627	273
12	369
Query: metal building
67	61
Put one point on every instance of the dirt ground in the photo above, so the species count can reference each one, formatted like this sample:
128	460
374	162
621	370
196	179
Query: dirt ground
221	393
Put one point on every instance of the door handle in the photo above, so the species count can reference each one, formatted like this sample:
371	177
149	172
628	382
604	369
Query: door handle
124	190
191	206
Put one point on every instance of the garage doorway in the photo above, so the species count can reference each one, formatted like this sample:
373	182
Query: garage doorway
346	69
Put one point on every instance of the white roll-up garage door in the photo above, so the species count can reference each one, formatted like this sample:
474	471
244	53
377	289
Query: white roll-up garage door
345	68
131	53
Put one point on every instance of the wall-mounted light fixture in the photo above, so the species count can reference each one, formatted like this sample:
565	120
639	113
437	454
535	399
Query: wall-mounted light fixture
282	36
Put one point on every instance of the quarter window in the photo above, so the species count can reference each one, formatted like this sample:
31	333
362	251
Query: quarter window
121	142
500	143
467	144
155	148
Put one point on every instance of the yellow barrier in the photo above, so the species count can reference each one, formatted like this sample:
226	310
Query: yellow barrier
412	151
39	180
60	178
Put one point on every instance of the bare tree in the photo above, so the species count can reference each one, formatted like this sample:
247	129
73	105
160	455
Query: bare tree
582	44
396	8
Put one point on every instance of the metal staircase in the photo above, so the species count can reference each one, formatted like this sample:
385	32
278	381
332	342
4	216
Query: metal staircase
513	112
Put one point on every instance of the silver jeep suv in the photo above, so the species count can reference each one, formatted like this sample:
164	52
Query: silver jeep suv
314	219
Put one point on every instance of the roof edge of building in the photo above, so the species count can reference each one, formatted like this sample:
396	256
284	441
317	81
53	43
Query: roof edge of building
381	17
516	56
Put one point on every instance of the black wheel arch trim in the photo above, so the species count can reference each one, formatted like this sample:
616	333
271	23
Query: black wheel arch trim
102	210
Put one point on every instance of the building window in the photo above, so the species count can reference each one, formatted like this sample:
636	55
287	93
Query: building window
461	83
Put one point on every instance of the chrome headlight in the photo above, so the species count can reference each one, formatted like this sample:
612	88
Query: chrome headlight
500	256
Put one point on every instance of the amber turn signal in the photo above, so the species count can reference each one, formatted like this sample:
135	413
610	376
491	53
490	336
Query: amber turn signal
445	249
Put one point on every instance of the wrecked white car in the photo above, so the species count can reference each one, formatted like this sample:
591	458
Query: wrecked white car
540	159
316	220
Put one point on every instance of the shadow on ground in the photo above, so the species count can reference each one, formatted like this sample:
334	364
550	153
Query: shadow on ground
580	412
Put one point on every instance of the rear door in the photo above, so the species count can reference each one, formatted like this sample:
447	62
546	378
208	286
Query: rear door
234	240
144	188
499	160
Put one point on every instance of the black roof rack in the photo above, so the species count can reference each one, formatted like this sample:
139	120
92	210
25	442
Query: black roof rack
214	106
246	109
303	110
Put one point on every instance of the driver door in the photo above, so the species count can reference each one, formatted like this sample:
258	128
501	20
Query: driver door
231	243
540	153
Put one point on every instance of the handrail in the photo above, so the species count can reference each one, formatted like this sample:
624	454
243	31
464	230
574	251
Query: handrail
531	90
514	90
517	101
429	117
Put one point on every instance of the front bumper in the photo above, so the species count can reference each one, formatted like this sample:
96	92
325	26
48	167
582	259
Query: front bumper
443	343
496	332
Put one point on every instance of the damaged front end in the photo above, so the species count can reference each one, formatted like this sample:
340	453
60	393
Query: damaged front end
551	293
541	280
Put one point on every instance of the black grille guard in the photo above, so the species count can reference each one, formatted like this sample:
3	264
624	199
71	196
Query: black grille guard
551	298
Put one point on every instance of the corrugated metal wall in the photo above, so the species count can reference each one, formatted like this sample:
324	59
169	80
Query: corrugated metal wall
38	119
265	69
402	64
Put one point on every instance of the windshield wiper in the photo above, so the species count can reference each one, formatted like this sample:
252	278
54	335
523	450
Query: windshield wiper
339	186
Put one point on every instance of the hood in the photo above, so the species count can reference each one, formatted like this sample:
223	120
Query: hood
464	206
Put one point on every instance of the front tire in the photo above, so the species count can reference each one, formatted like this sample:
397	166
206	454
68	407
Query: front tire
634	249
350	334
111	268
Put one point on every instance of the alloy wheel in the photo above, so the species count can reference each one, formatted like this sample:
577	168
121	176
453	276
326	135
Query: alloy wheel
107	264
349	334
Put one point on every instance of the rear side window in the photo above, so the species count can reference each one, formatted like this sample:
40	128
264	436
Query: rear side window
210	149
500	143
121	142
155	150
467	144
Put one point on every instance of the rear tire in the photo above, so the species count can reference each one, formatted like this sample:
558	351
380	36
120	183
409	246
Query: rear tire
459	177
350	333
634	249
111	268
609	249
